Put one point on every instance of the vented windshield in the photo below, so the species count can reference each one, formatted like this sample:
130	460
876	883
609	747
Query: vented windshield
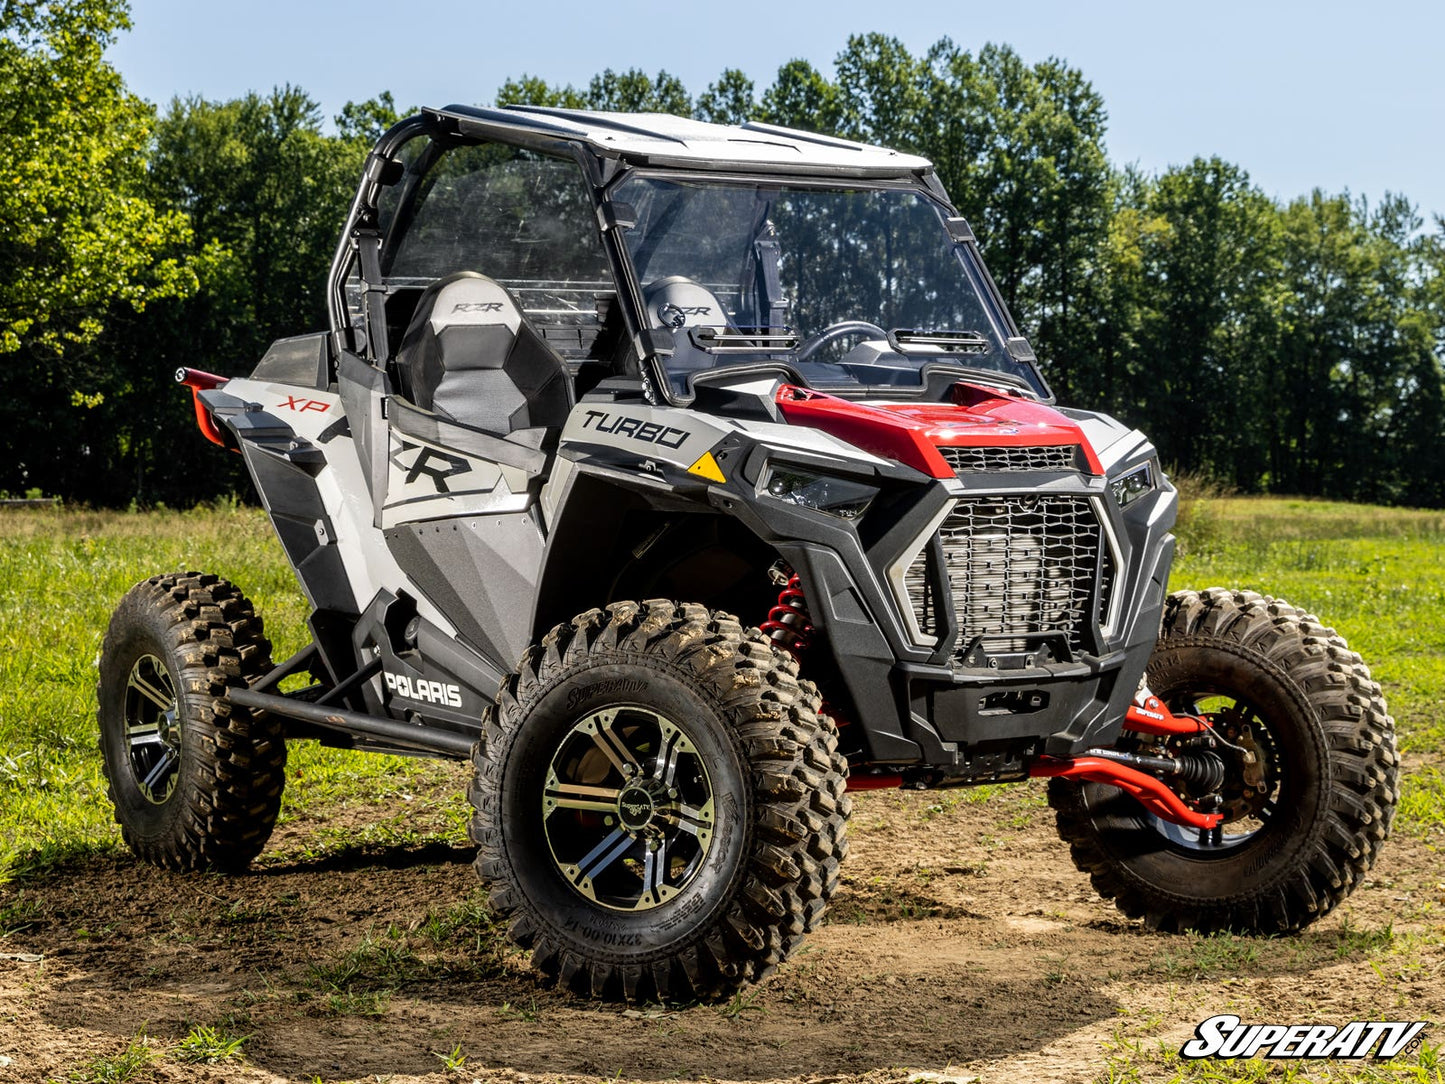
849	287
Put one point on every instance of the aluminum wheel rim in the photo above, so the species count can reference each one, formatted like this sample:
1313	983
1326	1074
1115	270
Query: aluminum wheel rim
627	809
152	729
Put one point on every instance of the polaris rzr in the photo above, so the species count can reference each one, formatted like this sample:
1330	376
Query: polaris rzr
684	478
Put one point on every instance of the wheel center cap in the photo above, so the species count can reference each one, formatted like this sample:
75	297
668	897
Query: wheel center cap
634	808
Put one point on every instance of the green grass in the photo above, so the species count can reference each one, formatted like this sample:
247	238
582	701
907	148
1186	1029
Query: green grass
209	1046
1377	575
61	574
120	1068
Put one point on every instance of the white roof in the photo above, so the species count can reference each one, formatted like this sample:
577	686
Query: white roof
664	140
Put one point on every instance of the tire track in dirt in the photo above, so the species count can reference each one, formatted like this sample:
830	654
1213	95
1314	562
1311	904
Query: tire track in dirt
962	942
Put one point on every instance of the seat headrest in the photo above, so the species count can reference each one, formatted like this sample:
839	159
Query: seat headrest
678	302
466	298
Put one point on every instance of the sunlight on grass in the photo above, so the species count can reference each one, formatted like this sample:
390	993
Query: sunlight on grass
1375	574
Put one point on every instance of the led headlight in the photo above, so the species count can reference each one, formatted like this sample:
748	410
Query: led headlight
839	497
1135	483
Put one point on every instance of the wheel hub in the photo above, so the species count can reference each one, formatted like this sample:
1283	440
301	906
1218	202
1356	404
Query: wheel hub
152	729
635	808
627	808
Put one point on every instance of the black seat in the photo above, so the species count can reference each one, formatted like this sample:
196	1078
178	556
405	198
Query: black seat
471	357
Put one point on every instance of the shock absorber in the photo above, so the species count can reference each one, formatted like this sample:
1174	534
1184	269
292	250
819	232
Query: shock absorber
789	625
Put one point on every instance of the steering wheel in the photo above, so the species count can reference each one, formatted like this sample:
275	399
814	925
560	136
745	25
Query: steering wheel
840	330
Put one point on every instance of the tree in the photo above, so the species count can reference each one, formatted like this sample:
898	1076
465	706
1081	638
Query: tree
265	192
76	233
1209	327
530	90
727	101
801	97
634	91
365	122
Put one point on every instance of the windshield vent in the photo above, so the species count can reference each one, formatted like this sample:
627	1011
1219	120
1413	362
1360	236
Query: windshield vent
744	340
995	458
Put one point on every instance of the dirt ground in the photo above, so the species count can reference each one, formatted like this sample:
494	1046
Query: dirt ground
963	944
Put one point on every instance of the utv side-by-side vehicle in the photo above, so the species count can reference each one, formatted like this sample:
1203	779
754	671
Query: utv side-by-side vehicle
685	478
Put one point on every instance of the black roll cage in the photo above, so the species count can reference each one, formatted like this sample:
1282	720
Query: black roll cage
361	241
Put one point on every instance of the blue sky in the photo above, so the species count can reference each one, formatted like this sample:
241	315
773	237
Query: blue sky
1335	95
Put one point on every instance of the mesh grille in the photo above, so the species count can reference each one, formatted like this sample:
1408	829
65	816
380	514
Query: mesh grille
1016	566
1047	457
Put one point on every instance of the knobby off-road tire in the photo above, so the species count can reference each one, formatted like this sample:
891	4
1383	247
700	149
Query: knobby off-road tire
196	784
1332	775
750	872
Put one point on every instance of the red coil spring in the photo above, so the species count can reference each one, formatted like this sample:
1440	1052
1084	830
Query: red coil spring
789	625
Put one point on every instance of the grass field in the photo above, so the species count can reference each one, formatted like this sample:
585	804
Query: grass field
1376	574
62	572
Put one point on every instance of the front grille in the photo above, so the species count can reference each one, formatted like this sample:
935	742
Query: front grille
1016	566
1046	457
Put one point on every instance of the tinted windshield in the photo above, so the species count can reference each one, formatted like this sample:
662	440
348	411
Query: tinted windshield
816	277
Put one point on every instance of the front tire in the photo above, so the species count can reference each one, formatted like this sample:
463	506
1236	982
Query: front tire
659	804
195	781
1299	834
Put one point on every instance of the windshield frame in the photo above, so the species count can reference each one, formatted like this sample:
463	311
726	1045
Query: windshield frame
654	345
604	170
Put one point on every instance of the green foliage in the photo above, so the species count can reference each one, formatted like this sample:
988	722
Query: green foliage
730	100
265	192
634	91
63	573
209	1046
364	122
76	231
117	1068
1274	347
530	90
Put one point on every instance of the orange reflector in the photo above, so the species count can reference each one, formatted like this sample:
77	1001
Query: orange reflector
706	467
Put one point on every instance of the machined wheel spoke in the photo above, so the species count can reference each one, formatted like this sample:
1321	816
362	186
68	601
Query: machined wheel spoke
155	694
161	769
605	853
577	796
649	804
654	874
665	769
144	734
612	745
688	818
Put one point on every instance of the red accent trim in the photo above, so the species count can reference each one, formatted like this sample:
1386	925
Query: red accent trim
871	428
199	381
912	433
882	781
1151	792
1155	718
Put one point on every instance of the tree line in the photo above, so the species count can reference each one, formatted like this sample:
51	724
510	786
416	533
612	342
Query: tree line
1277	346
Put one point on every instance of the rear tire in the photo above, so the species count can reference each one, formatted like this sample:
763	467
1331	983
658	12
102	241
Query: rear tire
659	807
1292	849
195	780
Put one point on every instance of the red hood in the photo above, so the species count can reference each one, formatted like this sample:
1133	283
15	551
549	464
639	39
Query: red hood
911	433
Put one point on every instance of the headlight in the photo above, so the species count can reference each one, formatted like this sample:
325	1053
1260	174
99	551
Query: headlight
839	497
1135	483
